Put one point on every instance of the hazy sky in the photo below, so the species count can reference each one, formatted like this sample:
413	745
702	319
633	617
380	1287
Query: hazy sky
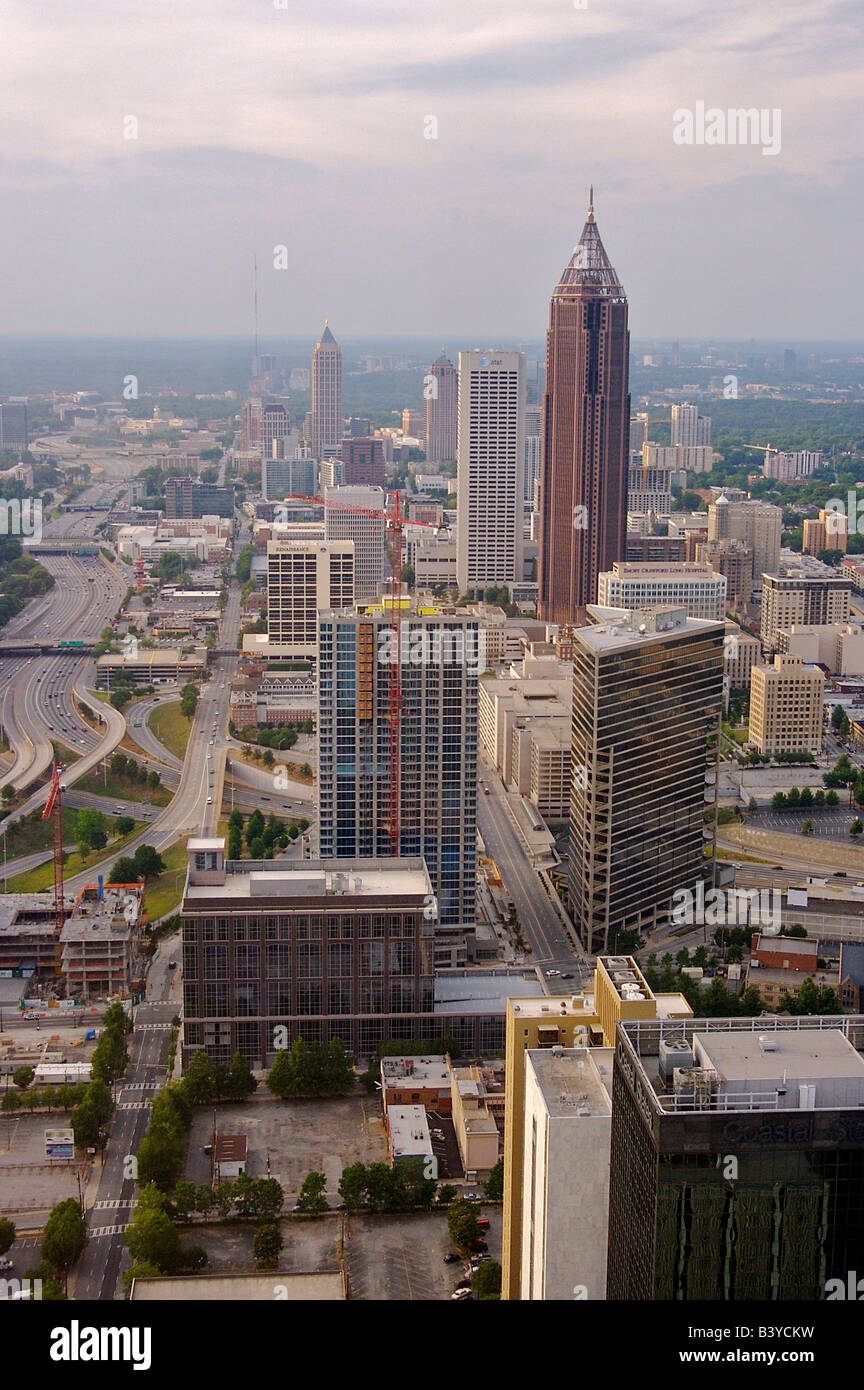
303	126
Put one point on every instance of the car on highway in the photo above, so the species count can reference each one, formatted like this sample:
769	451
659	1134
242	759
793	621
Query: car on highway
31	1013
209	801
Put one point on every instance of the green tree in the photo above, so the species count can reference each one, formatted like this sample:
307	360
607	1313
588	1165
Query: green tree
779	801
199	1083
311	1199
268	1199
124	825
493	1187
148	862
185	1194
856	828
223	1198
750	1002
7	1234
462	1225
23	1077
447	1193
64	1239
338	1069
153	1237
352	1186
123	870
486	1281
240	1083
91	831
280	1074
204	1199
267	1245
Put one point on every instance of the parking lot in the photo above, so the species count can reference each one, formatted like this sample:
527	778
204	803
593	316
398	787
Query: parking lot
830	824
299	1136
402	1257
30	1185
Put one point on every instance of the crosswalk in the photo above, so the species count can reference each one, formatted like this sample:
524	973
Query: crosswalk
134	1105
108	1230
113	1203
142	1085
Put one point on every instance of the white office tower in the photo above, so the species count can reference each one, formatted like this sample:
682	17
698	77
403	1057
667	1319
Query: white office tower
533	446
346	519
302	577
491	462
689	427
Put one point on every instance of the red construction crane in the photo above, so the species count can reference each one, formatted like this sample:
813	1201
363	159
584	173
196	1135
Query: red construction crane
54	810
395	521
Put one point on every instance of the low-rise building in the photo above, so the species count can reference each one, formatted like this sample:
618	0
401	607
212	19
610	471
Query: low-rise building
408	1136
476	1129
101	943
229	1156
149	666
837	646
416	1081
786	707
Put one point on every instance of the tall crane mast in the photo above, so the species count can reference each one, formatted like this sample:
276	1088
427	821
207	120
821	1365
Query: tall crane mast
395	521
54	811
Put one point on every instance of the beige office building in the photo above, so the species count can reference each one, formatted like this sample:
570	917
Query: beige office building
804	600
490	469
828	531
734	559
326	397
303	577
786	707
757	524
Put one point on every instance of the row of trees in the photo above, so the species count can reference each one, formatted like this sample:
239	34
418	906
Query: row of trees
188	699
250	1199
154	1242
311	1069
270	738
263	837
129	771
64	1097
783	801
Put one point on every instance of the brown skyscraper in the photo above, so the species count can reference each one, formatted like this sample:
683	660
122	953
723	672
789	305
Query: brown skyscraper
585	426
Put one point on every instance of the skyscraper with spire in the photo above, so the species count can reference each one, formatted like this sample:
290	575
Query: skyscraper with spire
440	390
585	429
326	401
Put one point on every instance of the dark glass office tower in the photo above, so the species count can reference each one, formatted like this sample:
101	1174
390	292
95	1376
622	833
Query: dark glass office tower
737	1159
647	690
585	431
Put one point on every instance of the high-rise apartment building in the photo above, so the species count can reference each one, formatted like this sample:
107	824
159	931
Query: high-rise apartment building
440	390
13	425
688	427
437	726
533	451
363	461
491	459
786	707
647	693
188	497
326	387
733	559
413	423
586	426
345	519
781	1097
698	589
281	477
275	428
828	531
757	524
303	576
803	599
302	949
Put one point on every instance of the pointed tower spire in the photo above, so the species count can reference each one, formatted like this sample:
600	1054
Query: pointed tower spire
591	203
589	267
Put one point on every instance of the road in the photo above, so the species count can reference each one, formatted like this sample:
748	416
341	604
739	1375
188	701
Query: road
541	924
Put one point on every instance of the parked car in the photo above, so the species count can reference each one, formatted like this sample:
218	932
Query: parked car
479	1245
483	1222
5	1265
463	1284
451	1257
31	1013
461	1295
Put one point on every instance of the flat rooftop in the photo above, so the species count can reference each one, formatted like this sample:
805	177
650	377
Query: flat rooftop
480	992
574	1081
409	1131
421	1071
342	879
617	629
772	1063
